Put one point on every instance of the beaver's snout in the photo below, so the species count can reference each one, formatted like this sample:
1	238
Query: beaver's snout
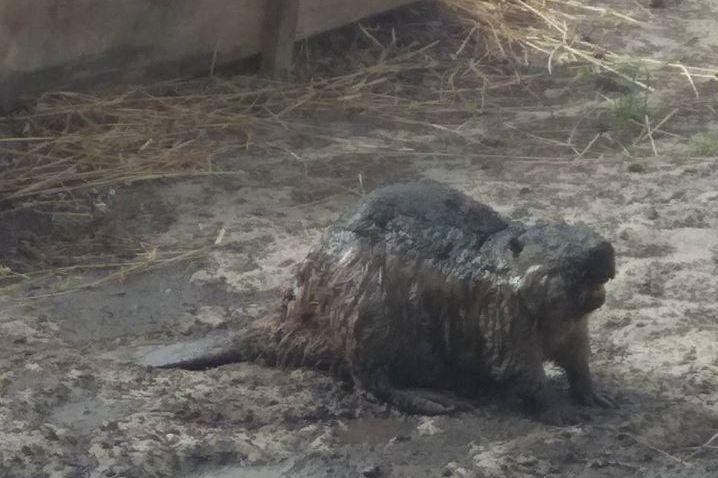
595	298
601	263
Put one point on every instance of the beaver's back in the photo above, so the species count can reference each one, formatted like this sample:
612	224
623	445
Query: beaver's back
420	220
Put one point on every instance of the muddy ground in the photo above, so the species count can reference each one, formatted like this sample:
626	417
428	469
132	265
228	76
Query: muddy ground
73	405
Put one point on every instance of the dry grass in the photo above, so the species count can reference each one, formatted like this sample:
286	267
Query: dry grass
76	142
72	141
552	28
74	278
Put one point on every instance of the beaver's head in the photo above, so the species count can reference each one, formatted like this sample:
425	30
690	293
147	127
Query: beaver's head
561	270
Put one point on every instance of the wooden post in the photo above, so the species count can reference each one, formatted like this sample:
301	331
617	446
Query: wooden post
280	27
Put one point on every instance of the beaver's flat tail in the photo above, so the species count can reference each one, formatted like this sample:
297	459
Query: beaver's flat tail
213	350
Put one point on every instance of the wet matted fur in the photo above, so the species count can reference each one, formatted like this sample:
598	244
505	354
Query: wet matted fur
422	287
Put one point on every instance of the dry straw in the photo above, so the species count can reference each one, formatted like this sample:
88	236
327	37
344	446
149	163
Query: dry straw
550	27
73	141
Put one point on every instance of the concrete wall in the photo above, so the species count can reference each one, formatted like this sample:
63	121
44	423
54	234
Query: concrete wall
54	43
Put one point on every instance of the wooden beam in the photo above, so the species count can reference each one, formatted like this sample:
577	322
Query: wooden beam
40	50
280	28
317	16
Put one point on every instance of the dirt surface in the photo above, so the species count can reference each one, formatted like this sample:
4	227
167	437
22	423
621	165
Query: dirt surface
73	405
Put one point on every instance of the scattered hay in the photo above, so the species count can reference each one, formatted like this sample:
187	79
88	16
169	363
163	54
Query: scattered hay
435	79
553	28
73	142
67	281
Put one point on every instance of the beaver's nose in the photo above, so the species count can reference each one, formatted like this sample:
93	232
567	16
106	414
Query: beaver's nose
601	263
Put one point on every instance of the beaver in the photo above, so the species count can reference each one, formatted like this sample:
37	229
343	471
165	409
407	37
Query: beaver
421	289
